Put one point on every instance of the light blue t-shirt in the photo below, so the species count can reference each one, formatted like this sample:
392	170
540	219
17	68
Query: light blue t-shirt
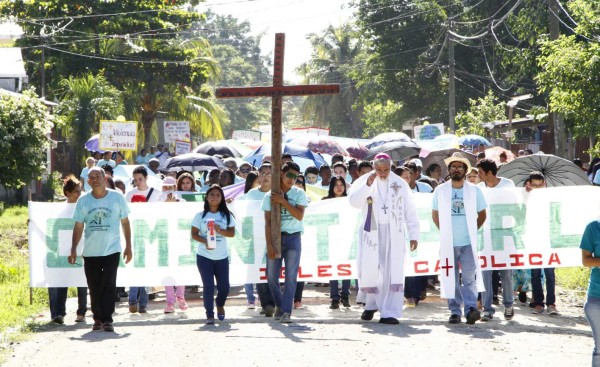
222	250
289	224
460	231
254	194
84	177
590	241
102	219
422	187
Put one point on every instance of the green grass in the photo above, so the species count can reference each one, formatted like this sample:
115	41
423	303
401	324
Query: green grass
573	278
16	314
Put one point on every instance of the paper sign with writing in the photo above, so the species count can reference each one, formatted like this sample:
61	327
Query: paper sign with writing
177	130
118	135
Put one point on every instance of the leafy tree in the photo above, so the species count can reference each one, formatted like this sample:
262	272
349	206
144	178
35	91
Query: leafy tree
334	52
482	111
85	101
381	118
570	72
24	126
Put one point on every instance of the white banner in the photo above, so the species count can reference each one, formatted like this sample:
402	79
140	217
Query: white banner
118	135
176	130
539	229
246	134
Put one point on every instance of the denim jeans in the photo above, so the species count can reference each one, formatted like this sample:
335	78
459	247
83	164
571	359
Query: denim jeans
101	275
211	270
413	287
138	296
592	314
508	297
467	291
249	289
291	249
334	292
538	291
298	292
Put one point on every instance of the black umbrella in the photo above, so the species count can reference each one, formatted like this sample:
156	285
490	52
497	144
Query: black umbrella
556	170
191	162
217	147
397	150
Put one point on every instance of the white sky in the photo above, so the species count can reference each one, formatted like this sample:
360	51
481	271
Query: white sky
295	18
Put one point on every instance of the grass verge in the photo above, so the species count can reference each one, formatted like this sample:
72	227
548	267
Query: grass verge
17	315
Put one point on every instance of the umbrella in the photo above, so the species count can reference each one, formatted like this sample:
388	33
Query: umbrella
222	147
92	144
397	150
557	171
191	162
319	144
440	142
472	139
296	151
438	157
493	153
387	138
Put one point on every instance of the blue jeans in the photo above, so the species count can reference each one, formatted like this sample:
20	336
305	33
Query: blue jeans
592	314
508	297
467	291
211	270
291	249
138	295
538	291
249	289
334	293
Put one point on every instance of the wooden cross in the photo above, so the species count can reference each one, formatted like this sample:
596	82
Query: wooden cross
447	267
277	92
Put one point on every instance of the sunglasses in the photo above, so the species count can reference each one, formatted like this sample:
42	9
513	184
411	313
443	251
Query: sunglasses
300	182
291	175
245	170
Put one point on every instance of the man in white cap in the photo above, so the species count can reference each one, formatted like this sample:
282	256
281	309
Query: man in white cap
388	211
458	210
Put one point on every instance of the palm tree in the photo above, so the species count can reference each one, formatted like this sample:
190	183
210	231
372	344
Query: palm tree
86	100
334	52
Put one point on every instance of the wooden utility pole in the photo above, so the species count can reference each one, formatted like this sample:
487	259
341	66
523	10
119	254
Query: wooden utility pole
556	120
277	92
451	87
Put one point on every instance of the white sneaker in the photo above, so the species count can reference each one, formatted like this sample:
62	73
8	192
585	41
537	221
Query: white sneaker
486	316
286	318
250	306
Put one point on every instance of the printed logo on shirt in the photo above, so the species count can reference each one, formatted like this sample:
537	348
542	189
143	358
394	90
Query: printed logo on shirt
99	221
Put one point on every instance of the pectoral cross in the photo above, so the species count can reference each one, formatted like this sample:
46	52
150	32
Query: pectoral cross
384	208
447	267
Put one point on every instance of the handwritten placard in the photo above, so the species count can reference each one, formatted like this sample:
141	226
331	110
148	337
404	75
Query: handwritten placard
182	147
177	130
118	135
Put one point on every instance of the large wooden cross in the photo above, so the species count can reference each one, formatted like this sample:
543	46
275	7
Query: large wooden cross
277	92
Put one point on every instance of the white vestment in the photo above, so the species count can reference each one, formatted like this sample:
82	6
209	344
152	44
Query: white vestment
447	280
382	249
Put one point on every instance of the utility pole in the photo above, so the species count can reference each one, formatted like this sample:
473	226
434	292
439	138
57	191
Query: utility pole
556	119
43	72
451	88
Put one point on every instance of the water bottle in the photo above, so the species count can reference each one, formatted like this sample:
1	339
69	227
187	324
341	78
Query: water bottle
211	235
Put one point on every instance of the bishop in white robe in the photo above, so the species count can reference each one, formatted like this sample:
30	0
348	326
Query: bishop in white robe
389	219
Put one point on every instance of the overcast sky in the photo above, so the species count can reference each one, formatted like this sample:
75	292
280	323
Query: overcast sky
295	18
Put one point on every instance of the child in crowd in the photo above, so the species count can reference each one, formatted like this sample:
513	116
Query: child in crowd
213	264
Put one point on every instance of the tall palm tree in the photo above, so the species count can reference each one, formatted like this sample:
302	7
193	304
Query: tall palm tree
334	52
86	100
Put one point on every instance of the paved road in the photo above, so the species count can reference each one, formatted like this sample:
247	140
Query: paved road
319	337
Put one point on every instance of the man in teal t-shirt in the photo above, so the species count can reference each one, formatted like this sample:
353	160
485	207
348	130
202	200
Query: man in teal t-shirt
99	213
293	202
590	256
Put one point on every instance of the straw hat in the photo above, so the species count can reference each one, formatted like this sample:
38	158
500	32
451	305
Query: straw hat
457	157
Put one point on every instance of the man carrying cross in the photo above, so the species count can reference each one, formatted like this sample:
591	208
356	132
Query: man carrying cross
458	210
388	211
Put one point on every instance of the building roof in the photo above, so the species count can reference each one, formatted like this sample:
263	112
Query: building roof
11	63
